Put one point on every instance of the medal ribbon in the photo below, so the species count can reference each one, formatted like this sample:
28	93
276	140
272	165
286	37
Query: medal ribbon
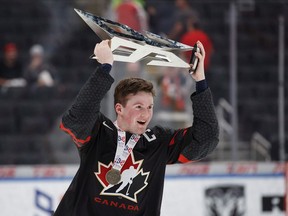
123	151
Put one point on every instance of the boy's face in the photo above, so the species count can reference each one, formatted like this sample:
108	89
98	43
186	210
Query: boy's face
137	113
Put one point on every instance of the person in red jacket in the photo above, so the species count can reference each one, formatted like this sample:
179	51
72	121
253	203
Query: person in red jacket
132	14
195	33
123	162
10	67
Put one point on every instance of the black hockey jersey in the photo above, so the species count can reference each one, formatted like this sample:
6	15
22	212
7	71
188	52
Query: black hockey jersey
89	194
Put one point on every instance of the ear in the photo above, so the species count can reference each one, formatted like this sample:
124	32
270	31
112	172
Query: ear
118	108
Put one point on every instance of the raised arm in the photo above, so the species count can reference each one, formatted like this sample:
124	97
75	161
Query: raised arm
80	119
196	142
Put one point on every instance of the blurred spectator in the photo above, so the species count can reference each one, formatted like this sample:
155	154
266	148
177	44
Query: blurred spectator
10	67
193	34
160	16
172	96
173	83
182	13
38	72
132	14
174	89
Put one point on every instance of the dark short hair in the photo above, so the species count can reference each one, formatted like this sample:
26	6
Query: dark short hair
131	86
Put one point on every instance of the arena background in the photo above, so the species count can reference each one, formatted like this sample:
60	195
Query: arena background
246	75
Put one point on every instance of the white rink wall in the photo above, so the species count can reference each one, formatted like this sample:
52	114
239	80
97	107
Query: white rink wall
202	189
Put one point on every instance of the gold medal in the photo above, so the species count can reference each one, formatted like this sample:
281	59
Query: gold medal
113	176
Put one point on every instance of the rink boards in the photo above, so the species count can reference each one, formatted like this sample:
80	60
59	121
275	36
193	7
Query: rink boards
191	189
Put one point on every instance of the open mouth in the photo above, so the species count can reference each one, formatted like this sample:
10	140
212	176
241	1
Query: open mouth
141	122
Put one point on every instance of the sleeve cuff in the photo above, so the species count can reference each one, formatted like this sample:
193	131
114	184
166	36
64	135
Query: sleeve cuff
201	86
106	67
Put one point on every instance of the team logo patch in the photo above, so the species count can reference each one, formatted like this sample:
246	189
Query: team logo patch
133	179
225	200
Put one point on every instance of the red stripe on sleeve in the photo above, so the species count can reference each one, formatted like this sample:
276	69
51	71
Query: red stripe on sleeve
172	141
184	132
183	159
78	142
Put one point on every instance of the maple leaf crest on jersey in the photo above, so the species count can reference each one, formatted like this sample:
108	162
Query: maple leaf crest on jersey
133	179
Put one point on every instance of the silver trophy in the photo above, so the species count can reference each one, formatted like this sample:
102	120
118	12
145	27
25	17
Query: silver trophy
129	45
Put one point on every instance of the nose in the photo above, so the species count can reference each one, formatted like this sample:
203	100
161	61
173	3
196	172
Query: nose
145	113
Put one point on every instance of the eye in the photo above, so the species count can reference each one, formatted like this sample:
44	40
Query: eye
150	107
138	106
